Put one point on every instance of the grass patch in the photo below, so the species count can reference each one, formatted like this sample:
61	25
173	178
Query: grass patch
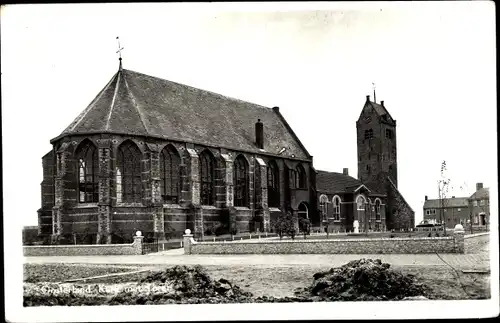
60	272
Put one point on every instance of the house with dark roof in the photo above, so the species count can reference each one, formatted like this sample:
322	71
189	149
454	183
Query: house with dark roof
459	210
156	156
479	203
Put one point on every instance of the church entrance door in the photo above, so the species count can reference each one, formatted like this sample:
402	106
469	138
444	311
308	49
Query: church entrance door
303	213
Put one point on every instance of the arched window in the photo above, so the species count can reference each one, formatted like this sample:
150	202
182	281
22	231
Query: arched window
323	204
273	189
207	176
292	178
128	174
170	175
301	177
240	179
377	209
336	207
360	202
88	169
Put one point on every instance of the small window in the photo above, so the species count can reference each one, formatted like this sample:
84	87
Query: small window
368	168
459	209
369	134
388	133
482	203
474	203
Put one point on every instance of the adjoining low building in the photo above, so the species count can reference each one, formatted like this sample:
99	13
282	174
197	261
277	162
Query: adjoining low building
343	199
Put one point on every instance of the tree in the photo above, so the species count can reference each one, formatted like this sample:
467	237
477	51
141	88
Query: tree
443	187
285	225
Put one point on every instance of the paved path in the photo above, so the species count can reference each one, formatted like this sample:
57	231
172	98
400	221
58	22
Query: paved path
176	257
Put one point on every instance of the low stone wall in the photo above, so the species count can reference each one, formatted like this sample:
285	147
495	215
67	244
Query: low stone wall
134	248
453	244
467	236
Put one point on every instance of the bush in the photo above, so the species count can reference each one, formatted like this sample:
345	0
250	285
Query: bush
285	225
234	229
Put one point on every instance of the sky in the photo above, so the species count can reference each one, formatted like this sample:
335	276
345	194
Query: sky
433	64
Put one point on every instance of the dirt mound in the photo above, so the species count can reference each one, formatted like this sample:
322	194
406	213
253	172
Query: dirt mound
362	280
193	284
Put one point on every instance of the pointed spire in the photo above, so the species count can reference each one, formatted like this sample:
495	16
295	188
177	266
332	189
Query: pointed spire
119	52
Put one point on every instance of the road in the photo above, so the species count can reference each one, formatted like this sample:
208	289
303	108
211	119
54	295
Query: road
476	257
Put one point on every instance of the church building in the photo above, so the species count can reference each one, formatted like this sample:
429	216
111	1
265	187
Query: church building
159	157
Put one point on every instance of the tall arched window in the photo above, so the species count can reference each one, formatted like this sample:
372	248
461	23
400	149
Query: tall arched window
301	177
273	189
170	175
323	204
377	209
88	169
207	178
128	174
240	178
336	207
360	202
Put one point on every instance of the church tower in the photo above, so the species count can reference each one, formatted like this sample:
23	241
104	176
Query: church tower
376	140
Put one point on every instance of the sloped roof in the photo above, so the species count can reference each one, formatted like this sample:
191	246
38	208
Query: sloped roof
481	194
401	195
331	182
380	109
138	104
448	202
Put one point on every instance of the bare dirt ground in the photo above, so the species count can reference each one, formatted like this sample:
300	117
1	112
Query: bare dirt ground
283	281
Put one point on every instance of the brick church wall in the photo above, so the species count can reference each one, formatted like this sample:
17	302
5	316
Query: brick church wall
176	220
48	194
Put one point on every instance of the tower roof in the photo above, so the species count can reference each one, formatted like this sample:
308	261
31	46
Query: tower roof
380	109
133	103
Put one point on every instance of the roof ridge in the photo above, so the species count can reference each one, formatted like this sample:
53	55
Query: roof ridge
136	105
207	91
117	86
